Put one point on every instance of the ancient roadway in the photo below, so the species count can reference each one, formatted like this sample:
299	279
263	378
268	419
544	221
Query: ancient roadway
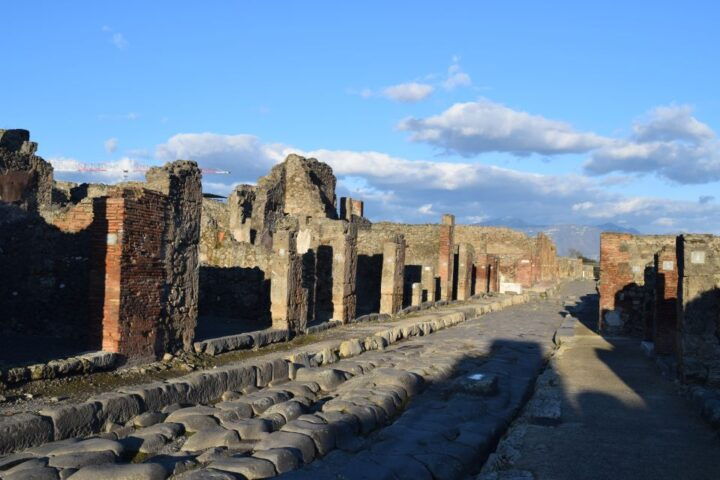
430	407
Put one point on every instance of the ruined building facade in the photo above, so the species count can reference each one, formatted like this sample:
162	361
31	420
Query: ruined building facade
145	268
666	290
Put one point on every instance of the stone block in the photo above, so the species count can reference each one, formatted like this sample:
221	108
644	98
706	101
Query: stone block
73	420
24	430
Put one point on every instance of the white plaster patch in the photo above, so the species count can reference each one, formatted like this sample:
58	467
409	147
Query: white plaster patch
112	239
637	269
511	287
668	265
697	257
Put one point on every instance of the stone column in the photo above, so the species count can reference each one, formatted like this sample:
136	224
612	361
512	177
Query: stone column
349	207
417	291
338	238
466	254
446	257
181	182
287	302
391	287
699	308
428	282
665	308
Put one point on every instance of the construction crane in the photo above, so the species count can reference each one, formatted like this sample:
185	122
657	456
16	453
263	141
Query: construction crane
89	168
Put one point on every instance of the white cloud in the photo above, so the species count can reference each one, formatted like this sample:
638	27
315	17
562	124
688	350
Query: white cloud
669	142
427	209
116	38
408	92
484	126
456	77
111	145
401	189
71	169
119	40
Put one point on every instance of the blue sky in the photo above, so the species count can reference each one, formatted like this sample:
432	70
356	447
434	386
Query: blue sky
551	112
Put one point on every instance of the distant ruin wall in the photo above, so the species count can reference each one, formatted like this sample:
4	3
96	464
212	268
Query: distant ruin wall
423	239
626	263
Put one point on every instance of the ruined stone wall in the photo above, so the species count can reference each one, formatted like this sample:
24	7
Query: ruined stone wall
663	328
180	181
423	239
545	259
569	268
699	308
26	180
626	264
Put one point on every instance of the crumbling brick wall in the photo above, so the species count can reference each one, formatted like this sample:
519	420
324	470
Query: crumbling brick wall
626	263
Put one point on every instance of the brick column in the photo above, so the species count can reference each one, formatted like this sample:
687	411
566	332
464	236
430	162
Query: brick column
493	273
466	257
481	274
391	287
133	271
428	282
446	256
524	272
287	302
665	311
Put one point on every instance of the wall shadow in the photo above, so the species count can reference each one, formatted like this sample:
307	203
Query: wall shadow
324	306
45	284
411	274
367	287
232	300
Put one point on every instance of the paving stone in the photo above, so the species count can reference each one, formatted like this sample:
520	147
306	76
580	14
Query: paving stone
148	419
79	460
251	428
23	430
117	407
206	474
217	437
130	471
14	459
37	473
249	467
28	465
85	446
242	409
157	395
327	378
442	467
322	434
176	463
350	348
196	423
298	443
190	411
283	459
290	410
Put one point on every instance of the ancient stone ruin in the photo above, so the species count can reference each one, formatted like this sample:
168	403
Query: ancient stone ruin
143	269
664	289
411	350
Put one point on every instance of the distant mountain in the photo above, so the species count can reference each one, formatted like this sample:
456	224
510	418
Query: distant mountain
582	238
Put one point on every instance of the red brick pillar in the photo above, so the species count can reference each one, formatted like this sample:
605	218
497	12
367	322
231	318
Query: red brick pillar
493	273
446	257
134	272
466	257
481	274
524	272
665	311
